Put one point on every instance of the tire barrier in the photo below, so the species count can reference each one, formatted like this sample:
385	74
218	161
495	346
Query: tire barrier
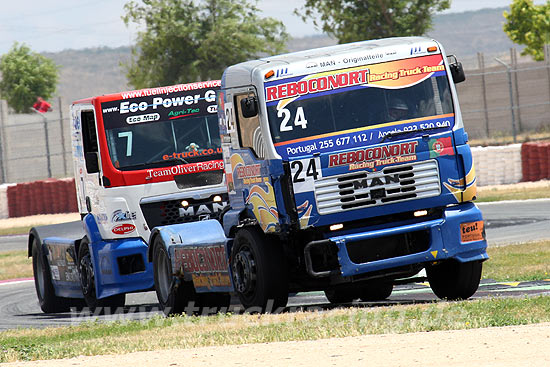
49	196
535	160
498	165
494	166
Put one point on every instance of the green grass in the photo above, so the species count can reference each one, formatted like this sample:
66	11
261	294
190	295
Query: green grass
527	261
188	331
15	230
511	193
15	264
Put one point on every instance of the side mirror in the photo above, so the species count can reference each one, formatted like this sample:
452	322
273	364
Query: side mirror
92	162
457	72
249	107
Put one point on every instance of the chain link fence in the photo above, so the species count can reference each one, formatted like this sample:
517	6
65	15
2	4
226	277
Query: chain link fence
509	100
499	104
34	146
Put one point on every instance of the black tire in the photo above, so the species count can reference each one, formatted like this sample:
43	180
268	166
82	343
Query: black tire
341	294
87	281
375	291
259	272
49	302
173	296
454	280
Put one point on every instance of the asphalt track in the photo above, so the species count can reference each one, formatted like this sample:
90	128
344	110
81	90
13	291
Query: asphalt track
506	223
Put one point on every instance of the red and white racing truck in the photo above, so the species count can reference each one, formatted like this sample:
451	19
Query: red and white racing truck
143	160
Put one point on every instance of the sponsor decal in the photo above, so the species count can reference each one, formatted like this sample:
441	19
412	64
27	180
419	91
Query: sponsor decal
171	89
327	63
317	84
362	59
201	259
185	169
183	113
375	156
376	181
123	229
279	73
194	152
211	280
249	174
416	50
472	231
441	146
203	210
122	216
101	218
143	118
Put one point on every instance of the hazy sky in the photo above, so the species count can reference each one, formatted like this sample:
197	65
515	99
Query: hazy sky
54	25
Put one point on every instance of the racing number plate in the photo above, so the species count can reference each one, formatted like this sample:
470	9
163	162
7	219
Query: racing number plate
304	173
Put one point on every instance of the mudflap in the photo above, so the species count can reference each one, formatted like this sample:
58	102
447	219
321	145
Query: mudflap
459	234
198	252
60	253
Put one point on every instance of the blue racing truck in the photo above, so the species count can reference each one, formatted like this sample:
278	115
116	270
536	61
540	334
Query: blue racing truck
348	171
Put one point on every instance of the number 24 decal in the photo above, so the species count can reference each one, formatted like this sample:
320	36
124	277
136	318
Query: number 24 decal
299	119
299	174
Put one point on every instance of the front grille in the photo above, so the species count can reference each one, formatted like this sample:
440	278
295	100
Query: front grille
166	212
364	189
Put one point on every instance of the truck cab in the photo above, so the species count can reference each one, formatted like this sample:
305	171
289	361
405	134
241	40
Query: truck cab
348	171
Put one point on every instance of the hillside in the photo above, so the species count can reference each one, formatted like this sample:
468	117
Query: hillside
97	71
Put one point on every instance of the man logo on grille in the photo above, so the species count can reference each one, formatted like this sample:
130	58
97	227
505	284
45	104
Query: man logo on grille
376	181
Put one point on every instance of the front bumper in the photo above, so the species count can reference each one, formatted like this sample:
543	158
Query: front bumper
458	234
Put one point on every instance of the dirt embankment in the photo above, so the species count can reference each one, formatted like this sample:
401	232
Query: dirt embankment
526	345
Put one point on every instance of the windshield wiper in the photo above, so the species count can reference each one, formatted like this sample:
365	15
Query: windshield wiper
398	133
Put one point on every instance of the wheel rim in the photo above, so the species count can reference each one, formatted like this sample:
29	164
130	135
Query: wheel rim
244	271
87	275
163	276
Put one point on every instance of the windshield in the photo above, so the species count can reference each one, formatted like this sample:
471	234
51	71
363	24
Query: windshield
356	108
388	93
184	140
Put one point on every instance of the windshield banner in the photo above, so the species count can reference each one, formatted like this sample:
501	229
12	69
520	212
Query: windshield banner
394	74
164	107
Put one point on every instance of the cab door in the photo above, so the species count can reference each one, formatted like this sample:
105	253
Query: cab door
86	157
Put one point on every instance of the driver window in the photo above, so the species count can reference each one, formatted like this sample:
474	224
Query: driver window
250	135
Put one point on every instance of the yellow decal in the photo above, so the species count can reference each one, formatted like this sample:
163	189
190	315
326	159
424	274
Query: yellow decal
264	206
434	254
456	187
304	212
211	280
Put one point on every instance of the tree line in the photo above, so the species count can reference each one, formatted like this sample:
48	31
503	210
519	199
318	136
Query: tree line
183	41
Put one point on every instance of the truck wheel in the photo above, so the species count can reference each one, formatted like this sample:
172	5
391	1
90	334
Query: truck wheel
172	297
341	295
376	291
87	281
49	302
259	271
454	280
